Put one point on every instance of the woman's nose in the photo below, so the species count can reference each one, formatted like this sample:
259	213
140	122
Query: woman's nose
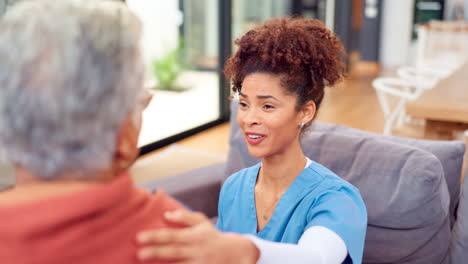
251	117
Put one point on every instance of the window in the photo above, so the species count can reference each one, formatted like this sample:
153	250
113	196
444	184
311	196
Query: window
247	14
180	43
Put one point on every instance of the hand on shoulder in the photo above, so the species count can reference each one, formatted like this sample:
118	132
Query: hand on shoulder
198	242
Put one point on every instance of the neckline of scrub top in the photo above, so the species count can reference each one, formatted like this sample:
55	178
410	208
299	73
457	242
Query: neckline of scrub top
291	192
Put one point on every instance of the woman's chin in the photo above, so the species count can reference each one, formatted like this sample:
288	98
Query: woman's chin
258	154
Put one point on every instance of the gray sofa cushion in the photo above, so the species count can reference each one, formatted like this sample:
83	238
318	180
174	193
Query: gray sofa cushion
404	190
450	154
459	243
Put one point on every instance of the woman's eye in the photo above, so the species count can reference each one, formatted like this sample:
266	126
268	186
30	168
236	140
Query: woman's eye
267	106
242	104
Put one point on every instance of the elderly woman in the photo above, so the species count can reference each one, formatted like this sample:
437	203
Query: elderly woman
71	98
292	209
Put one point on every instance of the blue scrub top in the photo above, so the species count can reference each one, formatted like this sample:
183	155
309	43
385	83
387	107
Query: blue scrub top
317	197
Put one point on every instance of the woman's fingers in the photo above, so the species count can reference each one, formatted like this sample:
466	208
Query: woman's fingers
181	217
179	245
184	217
166	236
166	253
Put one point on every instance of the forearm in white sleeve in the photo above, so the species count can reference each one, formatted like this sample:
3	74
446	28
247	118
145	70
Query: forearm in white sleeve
317	245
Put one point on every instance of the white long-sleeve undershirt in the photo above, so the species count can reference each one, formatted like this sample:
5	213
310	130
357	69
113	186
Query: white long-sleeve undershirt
318	245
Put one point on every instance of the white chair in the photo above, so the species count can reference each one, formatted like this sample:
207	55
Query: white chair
437	55
403	90
442	47
423	78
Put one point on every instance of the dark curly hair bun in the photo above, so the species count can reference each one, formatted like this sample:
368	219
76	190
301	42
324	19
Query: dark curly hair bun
303	52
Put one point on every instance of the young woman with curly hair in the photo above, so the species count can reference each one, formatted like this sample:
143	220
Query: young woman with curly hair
289	208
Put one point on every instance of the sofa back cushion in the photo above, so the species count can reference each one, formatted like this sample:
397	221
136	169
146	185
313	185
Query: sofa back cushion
450	154
403	187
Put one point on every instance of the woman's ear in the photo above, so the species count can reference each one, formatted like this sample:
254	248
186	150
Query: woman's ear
308	112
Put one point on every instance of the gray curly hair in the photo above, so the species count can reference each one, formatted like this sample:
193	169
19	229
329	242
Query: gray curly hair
71	72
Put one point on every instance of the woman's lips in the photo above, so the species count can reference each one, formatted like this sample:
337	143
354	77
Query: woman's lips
254	138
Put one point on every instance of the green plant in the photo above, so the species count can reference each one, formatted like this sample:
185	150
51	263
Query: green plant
168	68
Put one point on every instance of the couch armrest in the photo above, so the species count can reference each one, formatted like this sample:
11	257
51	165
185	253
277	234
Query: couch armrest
197	189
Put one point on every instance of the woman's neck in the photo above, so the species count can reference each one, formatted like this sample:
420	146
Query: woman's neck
280	170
